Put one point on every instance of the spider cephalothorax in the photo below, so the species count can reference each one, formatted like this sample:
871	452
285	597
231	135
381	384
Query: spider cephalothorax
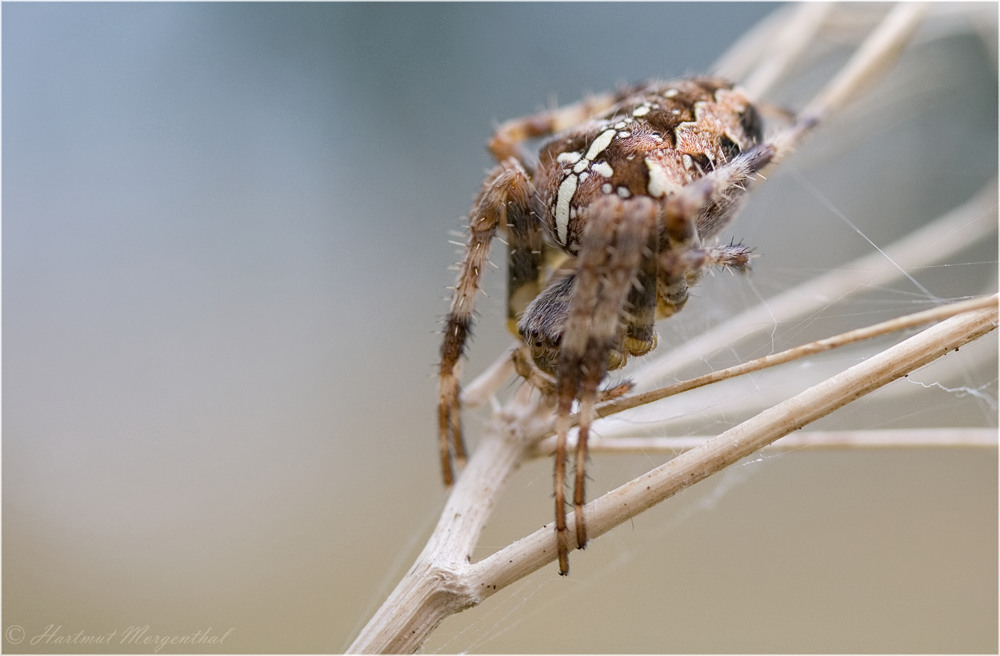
605	230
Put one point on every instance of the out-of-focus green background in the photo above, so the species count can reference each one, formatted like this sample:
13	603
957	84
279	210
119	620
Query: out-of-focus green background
225	251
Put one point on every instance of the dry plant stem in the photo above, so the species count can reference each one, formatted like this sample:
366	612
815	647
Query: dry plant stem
784	47
625	502
438	584
482	388
870	62
760	49
903	438
876	54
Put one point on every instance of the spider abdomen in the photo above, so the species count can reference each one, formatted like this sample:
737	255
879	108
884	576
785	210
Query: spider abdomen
652	143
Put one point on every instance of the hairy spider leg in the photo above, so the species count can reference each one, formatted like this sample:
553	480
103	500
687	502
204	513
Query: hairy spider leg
611	250
506	194
508	138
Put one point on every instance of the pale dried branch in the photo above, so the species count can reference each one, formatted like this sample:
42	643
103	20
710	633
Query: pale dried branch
487	383
870	62
768	50
901	438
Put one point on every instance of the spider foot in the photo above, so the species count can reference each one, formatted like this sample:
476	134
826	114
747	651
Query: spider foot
563	555
562	533
581	529
615	392
452	446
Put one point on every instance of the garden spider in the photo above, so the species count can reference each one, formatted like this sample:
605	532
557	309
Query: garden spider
606	231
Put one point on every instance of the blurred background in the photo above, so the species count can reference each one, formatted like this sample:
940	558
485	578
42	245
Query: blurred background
225	255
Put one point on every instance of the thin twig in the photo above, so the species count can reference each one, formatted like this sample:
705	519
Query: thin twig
785	48
870	62
487	383
900	438
759	49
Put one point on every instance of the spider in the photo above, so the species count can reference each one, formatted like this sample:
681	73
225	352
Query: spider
606	230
